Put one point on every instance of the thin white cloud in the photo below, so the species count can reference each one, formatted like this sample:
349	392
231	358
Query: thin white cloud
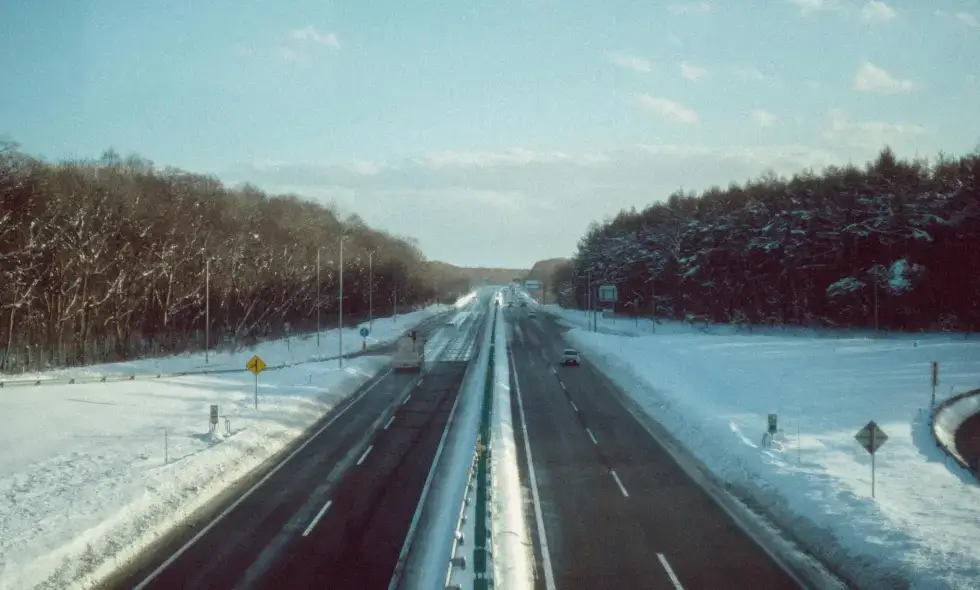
513	157
288	54
868	134
748	71
811	6
877	12
690	8
871	78
520	192
310	34
692	72
763	118
631	62
968	19
667	109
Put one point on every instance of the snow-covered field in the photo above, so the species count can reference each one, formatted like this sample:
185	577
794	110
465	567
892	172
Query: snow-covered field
713	391
86	479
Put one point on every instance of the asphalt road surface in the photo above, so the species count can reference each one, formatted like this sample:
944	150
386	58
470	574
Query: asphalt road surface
335	514
617	511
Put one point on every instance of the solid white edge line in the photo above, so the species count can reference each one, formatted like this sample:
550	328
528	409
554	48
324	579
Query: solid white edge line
317	518
574	407
549	575
619	482
592	436
170	560
388	423
670	572
364	456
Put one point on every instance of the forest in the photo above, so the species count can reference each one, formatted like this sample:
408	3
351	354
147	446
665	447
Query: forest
112	259
895	245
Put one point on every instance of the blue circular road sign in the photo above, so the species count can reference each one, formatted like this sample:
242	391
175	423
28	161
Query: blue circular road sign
365	332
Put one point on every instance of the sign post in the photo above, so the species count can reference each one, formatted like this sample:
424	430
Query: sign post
935	382
256	366
364	334
213	424
871	437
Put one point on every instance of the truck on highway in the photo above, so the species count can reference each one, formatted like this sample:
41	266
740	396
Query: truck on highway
409	353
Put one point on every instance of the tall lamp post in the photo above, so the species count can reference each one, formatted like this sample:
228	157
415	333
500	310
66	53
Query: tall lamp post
340	358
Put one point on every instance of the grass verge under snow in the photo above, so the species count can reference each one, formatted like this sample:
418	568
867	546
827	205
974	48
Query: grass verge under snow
83	480
714	392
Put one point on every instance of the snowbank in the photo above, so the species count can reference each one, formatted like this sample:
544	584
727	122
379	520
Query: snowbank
641	326
91	473
949	416
713	393
302	348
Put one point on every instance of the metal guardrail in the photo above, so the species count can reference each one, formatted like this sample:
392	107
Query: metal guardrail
940	408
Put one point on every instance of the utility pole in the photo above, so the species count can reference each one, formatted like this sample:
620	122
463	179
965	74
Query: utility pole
207	308
340	359
876	305
588	276
653	304
318	298
370	290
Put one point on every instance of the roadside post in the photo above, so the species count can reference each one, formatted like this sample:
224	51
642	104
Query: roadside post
772	427
256	366
213	422
364	334
935	383
871	437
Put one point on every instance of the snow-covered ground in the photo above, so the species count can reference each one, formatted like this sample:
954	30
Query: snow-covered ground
713	391
301	348
84	480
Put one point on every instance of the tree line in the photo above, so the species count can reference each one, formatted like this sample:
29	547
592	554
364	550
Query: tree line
895	245
110	259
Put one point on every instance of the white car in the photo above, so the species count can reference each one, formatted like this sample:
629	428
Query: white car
571	357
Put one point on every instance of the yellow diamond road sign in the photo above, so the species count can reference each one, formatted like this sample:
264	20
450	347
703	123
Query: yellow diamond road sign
255	365
871	437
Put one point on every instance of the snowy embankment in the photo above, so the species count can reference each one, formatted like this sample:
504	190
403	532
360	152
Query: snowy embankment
713	392
297	349
948	418
91	473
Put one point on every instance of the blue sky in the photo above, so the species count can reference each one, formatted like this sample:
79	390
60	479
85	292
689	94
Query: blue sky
493	132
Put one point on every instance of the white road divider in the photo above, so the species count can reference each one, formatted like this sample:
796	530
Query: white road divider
513	560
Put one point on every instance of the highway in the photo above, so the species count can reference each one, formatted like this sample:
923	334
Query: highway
334	509
617	511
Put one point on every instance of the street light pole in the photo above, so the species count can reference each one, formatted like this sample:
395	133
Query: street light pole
588	276
318	298
653	305
207	308
340	359
370	290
